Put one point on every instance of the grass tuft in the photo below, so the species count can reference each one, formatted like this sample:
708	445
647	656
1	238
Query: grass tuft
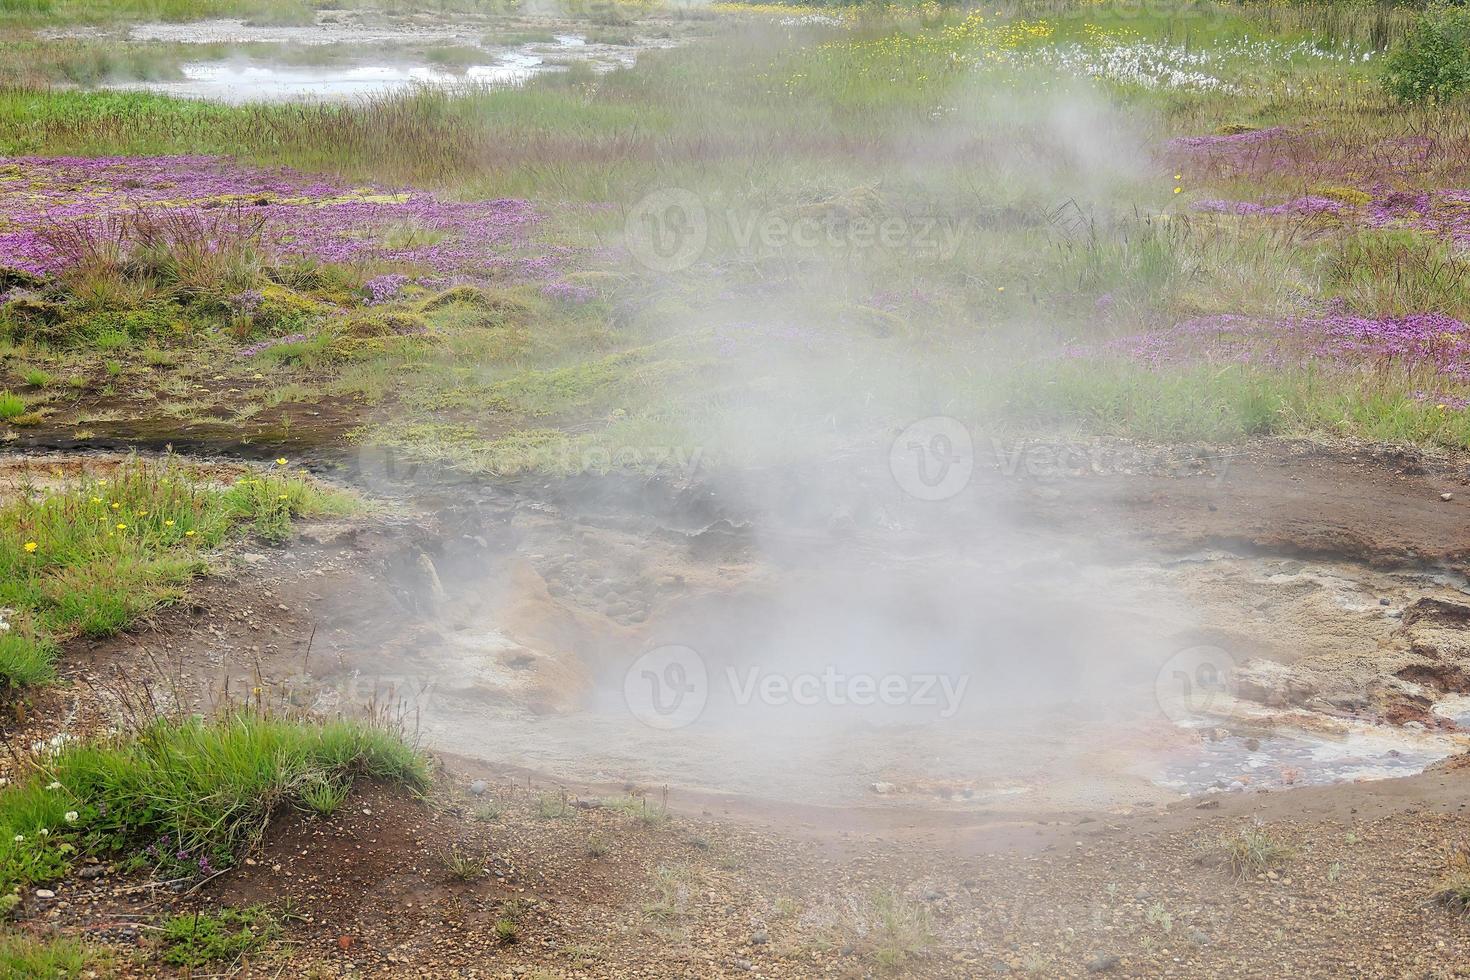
183	797
1251	850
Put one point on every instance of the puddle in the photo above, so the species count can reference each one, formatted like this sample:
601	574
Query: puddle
245	78
1221	761
248	80
340	58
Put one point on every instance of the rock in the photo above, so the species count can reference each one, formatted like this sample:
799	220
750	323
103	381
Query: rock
478	787
760	937
1446	496
1102	963
883	788
92	871
45	893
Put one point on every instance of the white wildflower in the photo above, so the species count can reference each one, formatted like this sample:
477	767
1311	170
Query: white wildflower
71	816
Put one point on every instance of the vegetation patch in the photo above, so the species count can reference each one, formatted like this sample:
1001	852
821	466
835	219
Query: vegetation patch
183	797
198	939
91	557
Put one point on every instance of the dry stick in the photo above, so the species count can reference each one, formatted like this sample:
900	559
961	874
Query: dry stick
306	657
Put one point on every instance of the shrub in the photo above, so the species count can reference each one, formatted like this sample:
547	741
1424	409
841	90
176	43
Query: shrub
1432	61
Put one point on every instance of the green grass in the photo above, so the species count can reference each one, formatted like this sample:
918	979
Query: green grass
179	793
197	939
25	957
1251	850
11	406
1054	187
90	557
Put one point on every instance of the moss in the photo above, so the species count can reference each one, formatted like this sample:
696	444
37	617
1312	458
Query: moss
349	348
18	279
25	316
468	295
1347	195
112	328
383	323
283	310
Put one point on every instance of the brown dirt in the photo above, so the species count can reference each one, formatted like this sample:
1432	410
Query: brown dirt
740	884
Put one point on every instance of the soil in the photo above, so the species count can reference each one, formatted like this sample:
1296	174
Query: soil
1024	836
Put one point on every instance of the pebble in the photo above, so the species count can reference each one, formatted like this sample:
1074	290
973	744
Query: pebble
1102	963
1446	496
45	893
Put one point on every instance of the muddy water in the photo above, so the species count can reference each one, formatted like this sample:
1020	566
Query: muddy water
1012	672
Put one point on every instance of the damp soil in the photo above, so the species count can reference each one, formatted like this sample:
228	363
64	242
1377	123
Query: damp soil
1039	826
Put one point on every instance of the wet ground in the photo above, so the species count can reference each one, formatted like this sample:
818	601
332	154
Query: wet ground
612	631
340	57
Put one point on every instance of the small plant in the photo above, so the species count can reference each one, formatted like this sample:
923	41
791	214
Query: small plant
640	809
597	846
1251	850
11	406
488	813
900	931
1452	890
671	895
1431	63
463	865
37	378
1157	915
200	938
323	796
553	806
507	931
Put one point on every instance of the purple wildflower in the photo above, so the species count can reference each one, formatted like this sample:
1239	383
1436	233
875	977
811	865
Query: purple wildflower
253	349
1228	139
381	289
247	302
569	292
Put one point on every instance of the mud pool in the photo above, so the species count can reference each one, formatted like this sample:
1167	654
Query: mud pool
1023	674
